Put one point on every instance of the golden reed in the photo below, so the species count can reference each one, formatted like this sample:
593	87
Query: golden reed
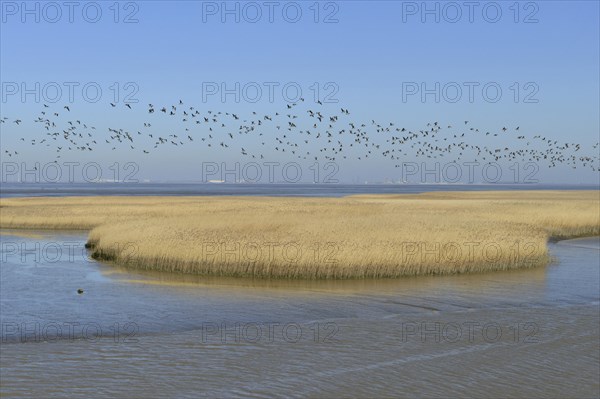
352	237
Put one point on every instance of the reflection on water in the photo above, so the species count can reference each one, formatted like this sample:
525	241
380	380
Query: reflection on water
522	333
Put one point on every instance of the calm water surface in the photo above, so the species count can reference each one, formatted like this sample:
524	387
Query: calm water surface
293	190
532	333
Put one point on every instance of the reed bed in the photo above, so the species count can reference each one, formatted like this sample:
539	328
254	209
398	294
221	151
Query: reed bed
314	238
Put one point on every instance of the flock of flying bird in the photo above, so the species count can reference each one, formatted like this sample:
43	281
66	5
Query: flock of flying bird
298	132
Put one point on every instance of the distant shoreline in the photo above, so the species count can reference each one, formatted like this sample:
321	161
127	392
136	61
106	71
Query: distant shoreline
22	190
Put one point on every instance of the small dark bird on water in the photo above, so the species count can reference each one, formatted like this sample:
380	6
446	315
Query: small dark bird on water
80	291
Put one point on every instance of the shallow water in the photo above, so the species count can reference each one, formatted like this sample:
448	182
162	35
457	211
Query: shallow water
527	333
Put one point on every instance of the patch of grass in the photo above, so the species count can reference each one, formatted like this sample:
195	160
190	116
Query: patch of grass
352	237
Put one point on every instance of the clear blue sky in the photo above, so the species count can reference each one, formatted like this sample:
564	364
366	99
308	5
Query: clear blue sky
371	55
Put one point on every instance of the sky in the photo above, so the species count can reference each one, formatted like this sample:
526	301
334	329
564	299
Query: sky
408	63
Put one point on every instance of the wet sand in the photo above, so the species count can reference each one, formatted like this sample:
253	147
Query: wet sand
523	333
